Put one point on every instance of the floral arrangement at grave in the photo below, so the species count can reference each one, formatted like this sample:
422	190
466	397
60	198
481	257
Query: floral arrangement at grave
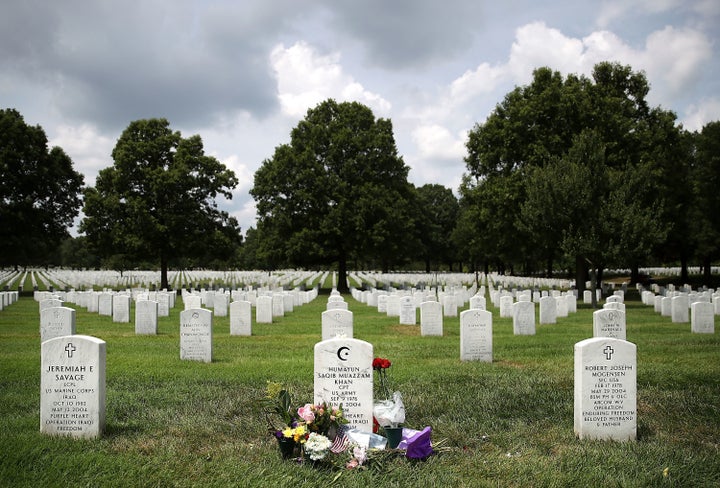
319	434
309	429
388	409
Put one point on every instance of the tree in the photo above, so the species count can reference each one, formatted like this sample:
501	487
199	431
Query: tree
158	199
39	193
437	216
535	130
337	191
705	218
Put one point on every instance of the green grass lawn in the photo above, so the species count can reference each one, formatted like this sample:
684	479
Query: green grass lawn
509	423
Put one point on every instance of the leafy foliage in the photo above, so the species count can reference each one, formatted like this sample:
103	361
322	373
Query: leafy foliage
39	192
337	190
158	199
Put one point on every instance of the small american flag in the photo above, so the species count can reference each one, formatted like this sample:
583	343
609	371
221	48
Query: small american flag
341	442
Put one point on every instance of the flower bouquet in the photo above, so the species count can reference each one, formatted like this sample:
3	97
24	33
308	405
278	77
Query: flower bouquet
389	412
309	429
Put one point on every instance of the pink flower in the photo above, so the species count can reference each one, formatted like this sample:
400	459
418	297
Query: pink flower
306	413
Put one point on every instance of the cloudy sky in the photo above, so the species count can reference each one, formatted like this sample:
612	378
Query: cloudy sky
243	73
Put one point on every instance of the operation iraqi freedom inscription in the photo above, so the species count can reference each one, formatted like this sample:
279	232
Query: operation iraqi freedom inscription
72	386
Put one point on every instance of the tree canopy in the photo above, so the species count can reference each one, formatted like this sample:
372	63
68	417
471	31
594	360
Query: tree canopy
587	161
39	193
337	191
159	200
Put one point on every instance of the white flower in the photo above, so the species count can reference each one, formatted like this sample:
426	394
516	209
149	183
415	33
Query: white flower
317	446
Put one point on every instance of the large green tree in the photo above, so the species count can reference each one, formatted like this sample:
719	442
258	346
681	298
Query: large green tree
535	129
39	193
437	215
337	191
158	200
704	211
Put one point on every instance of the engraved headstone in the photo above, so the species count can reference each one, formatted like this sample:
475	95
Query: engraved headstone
240	318
146	317
408	313
196	335
337	323
523	318
548	310
609	322
343	375
605	398
72	386
121	308
476	336
192	301
56	322
702	318
680	309
431	319
105	304
264	310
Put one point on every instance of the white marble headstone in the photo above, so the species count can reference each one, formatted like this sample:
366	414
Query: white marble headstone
196	339
56	322
146	317
605	398
702	318
523	318
431	319
240	318
476	336
609	322
408	312
264	310
72	386
548	310
343	375
337	323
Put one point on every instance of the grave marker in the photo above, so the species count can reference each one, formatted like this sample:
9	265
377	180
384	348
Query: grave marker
56	322
431	319
702	318
343	375
523	318
240	318
337	323
605	398
196	335
609	322
476	336
146	317
72	386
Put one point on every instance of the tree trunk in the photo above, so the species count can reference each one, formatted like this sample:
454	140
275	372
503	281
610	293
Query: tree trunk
581	275
163	273
634	273
549	272
684	276
707	271
427	264
342	286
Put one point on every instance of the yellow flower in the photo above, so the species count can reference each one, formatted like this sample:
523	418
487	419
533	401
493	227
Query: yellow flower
299	434
666	472
287	432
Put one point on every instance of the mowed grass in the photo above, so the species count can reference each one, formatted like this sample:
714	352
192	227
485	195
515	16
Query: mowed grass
509	423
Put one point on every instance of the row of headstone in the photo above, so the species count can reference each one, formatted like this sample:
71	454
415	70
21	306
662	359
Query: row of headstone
697	308
7	298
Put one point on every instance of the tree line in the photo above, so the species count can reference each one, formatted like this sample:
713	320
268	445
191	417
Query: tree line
570	173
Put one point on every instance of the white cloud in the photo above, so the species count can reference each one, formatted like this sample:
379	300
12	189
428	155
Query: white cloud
437	142
675	57
306	78
698	116
89	150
